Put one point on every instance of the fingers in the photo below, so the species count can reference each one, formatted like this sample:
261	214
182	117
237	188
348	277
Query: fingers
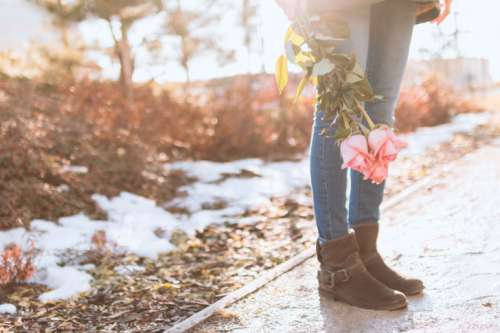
442	17
444	13
424	8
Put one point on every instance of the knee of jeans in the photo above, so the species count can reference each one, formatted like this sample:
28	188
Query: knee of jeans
382	113
390	120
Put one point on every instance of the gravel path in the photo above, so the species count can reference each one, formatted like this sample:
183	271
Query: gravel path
447	234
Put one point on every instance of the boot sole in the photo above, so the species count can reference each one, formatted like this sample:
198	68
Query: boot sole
415	292
388	307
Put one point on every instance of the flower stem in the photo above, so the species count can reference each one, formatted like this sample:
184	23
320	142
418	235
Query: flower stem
346	121
367	117
363	129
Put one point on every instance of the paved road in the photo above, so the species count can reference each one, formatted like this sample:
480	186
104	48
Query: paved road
447	234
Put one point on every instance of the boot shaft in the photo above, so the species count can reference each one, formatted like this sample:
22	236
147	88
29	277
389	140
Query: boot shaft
366	238
335	253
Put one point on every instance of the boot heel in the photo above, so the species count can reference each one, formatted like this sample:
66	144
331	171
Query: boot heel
328	294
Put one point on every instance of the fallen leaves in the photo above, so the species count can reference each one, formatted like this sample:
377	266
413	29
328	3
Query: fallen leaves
203	269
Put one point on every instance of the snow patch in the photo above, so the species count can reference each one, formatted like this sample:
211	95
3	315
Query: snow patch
239	194
8	309
207	171
132	223
65	282
427	137
222	193
129	269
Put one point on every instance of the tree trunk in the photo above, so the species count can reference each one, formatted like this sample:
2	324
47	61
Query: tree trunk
188	73
126	62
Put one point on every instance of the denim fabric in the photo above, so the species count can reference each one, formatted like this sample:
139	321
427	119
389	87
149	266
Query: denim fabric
380	38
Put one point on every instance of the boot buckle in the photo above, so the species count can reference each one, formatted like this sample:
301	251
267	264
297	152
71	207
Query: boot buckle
332	277
347	276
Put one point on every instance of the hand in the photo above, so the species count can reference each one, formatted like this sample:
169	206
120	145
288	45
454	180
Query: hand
444	13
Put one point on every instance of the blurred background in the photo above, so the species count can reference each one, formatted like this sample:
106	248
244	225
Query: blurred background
250	35
150	136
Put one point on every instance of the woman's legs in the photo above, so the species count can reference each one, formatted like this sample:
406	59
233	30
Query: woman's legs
349	262
391	26
328	180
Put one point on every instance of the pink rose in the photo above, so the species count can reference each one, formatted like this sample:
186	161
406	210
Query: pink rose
376	171
384	144
354	151
371	157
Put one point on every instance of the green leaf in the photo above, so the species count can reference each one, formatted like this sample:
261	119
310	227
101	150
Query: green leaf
358	70
293	37
353	78
301	87
342	133
342	61
281	73
305	59
314	80
323	67
364	90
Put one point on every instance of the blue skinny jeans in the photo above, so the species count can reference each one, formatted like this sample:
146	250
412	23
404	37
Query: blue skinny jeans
380	39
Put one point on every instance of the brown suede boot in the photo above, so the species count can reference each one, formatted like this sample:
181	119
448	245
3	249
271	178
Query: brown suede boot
366	236
343	276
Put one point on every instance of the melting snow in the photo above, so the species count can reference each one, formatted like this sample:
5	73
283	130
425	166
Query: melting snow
425	137
134	221
75	169
276	179
129	269
8	309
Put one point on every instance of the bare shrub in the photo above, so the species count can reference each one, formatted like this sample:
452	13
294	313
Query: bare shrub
16	265
432	103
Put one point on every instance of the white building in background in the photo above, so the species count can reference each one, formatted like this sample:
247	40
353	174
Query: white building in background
464	74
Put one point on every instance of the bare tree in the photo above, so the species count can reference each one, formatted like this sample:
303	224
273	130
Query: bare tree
446	43
249	25
121	13
192	27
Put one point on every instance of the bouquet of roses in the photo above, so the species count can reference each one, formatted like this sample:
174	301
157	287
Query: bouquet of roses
342	89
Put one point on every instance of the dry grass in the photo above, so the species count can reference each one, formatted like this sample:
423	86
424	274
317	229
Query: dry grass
44	129
430	104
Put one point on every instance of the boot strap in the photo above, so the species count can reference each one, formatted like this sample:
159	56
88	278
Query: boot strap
333	277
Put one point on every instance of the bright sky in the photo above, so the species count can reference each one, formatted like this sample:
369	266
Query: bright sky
478	18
